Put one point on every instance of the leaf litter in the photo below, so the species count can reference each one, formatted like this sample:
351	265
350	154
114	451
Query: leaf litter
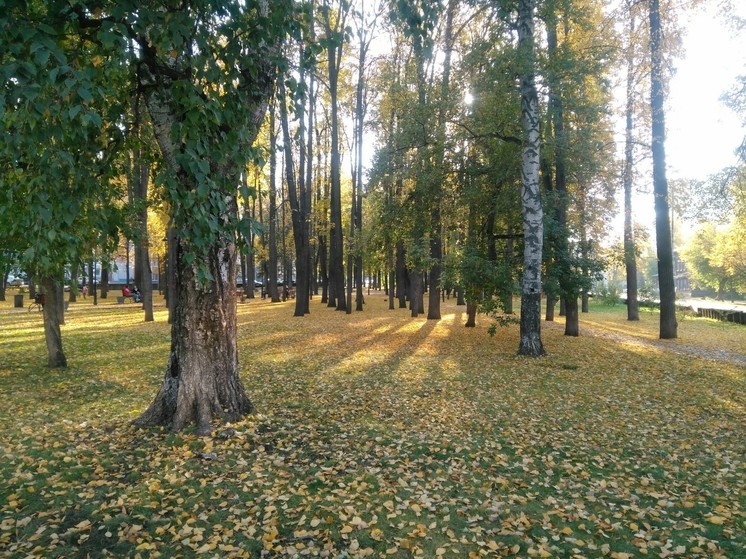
377	436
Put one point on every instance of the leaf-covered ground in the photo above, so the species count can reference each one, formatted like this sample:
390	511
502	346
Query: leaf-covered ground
378	436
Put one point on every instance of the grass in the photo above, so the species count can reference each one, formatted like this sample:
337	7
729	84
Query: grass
377	436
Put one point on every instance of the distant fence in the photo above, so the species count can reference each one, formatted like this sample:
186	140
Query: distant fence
724	314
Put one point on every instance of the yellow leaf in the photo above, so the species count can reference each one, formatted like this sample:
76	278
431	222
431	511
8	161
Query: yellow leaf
315	522
716	520
346	529
440	551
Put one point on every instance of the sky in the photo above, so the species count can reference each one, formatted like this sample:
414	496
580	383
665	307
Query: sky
702	132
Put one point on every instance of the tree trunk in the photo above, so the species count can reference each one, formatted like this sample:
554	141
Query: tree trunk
172	295
272	279
471	314
296	193
531	207
415	294
202	378
73	297
104	279
551	303
61	300
336	251
630	261
509	251
402	278
31	285
666	285
52	320
572	327
143	273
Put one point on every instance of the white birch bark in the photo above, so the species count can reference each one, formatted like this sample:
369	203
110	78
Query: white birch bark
531	206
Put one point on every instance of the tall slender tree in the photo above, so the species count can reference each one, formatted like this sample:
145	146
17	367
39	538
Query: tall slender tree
531	206
663	241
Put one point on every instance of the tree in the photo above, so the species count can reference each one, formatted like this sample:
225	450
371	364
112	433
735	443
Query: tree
138	180
206	73
668	324
61	120
630	260
716	257
334	40
531	206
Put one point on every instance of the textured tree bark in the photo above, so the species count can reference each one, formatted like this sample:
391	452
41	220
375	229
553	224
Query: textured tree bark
55	355
667	287
531	208
202	380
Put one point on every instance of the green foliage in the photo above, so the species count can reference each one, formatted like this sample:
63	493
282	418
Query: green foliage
609	295
716	257
61	108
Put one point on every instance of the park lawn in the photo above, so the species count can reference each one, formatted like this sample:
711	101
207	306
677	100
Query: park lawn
376	436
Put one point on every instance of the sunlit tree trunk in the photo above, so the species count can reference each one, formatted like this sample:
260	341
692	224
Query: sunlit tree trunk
272	275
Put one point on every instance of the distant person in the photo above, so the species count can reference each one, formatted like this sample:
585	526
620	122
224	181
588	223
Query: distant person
84	291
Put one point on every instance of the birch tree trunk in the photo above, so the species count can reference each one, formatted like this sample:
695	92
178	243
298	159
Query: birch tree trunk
531	207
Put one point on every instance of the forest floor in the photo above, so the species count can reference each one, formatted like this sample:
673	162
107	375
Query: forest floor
378	435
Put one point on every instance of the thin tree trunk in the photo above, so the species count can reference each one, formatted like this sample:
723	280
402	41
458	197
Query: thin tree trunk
104	279
336	249
295	193
630	260
402	277
143	273
667	287
73	297
436	240
509	252
531	206
272	276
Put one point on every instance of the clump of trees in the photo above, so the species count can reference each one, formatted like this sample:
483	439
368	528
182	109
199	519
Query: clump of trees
233	124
